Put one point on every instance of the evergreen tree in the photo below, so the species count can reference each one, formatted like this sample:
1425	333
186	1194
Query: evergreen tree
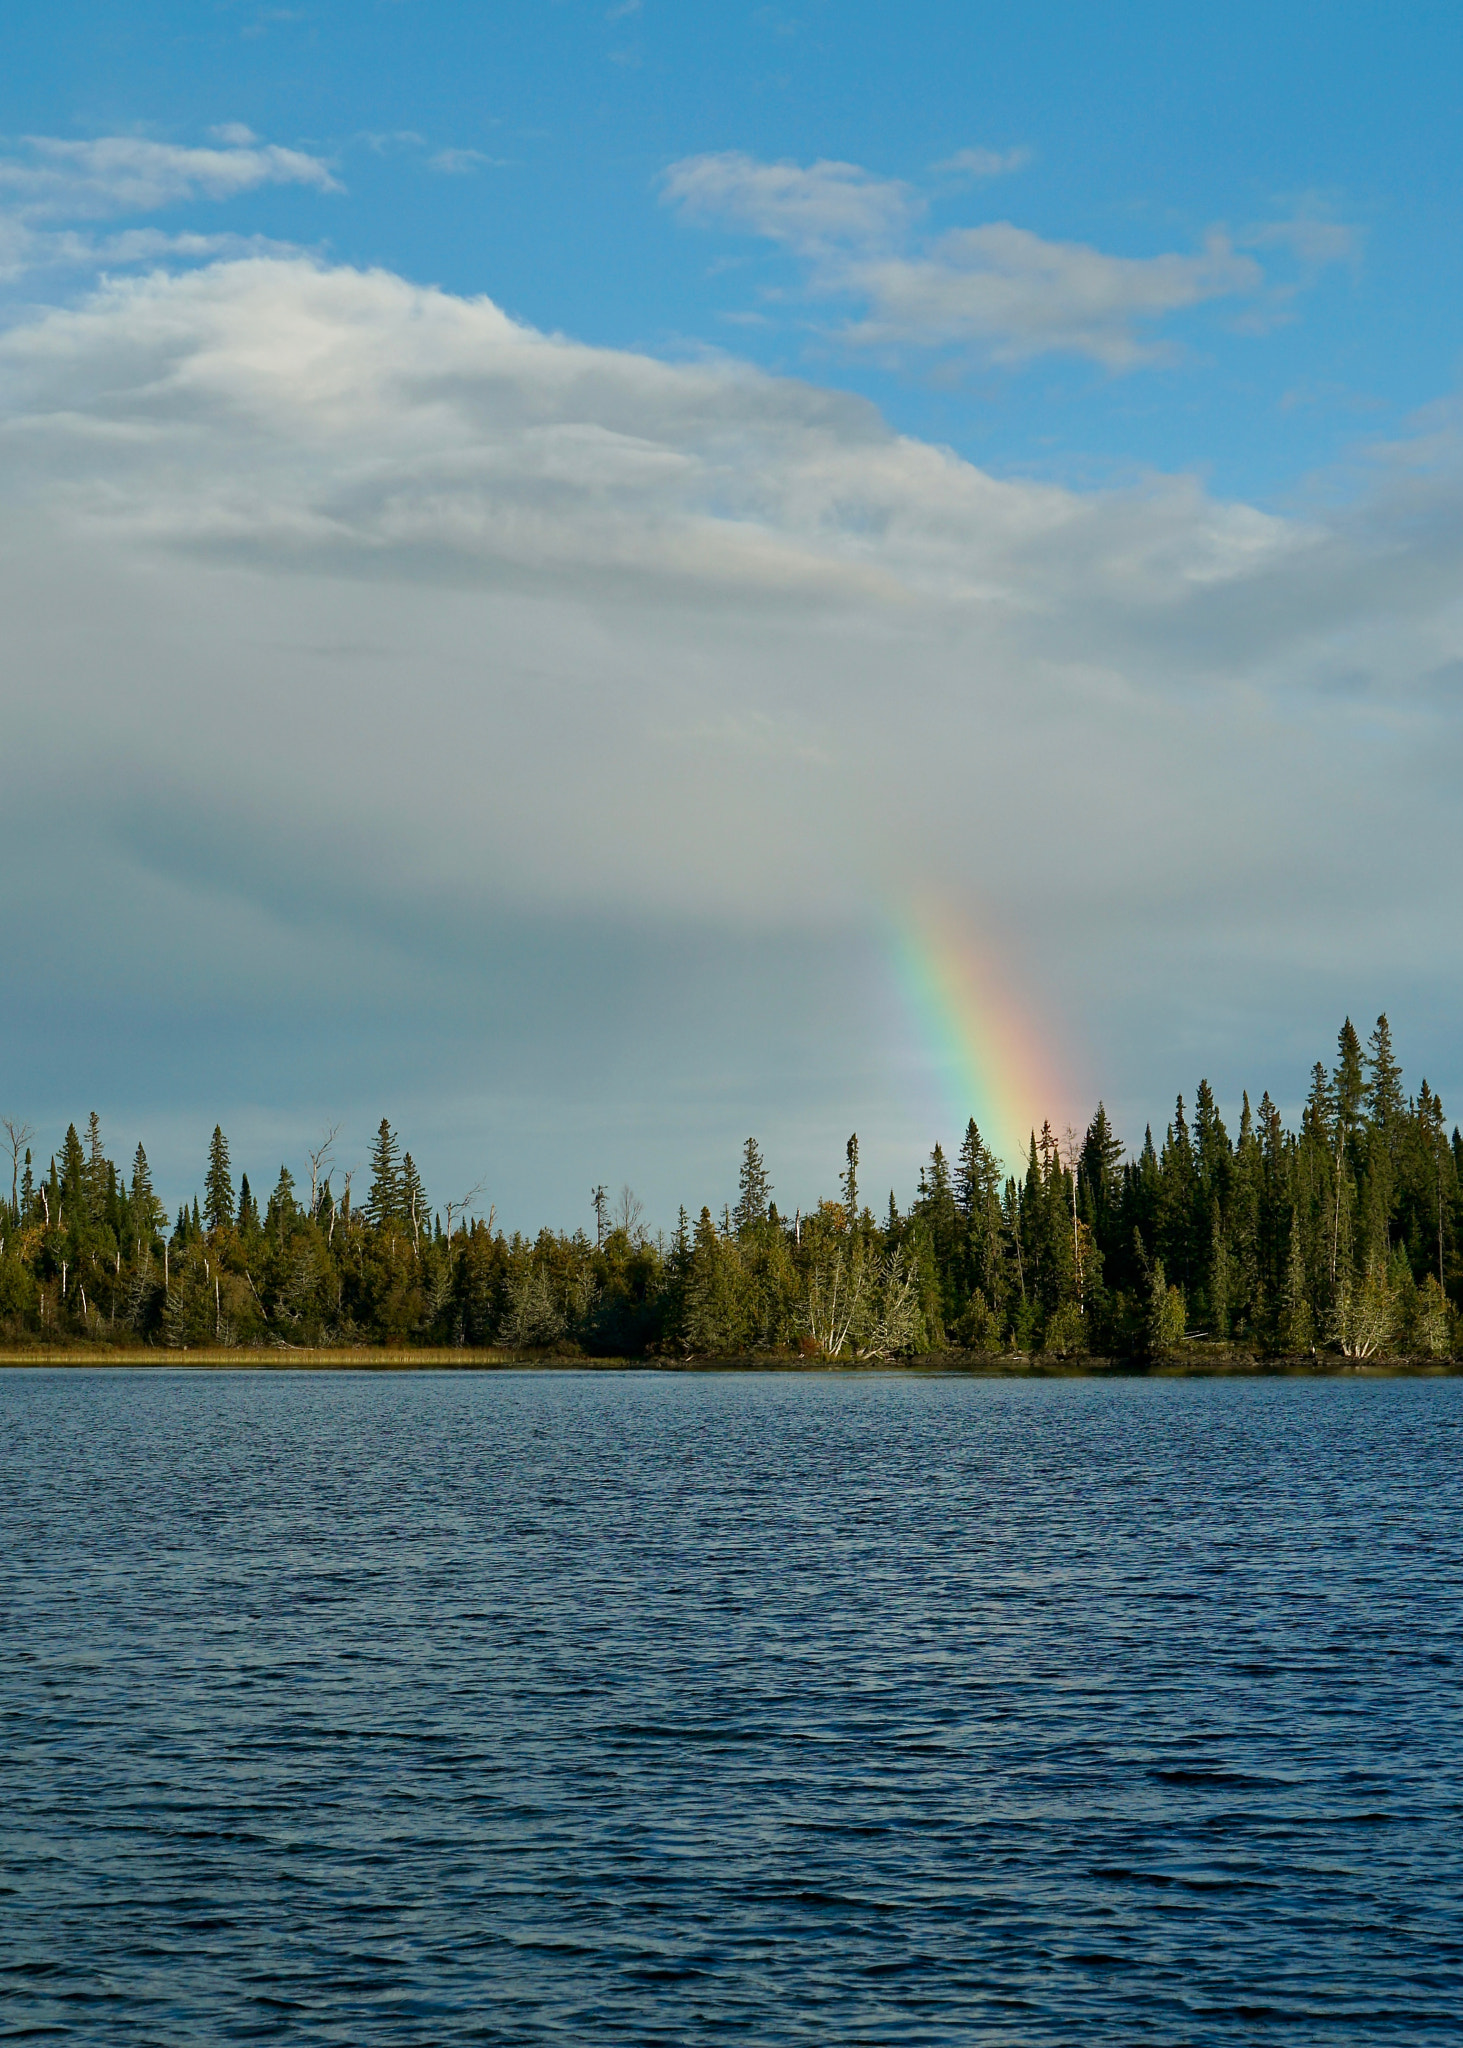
95	1172
283	1211
383	1201
147	1212
755	1190
1383	1095
1100	1174
848	1180
1297	1324
248	1209
1349	1082
413	1199
72	1204
218	1186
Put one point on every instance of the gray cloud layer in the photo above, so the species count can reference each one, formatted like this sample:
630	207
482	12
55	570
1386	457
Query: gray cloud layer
358	629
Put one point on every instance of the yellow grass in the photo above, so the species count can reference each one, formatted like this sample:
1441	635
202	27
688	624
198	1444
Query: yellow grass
275	1357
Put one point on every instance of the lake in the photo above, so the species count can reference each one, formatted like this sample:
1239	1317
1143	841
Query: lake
638	1707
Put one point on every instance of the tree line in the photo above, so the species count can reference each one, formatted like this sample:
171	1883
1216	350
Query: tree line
1341	1236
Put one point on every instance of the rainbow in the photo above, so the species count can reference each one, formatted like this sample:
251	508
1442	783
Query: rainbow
991	1059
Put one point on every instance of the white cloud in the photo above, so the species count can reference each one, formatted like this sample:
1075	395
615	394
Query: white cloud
51	179
807	208
356	614
997	288
1021	295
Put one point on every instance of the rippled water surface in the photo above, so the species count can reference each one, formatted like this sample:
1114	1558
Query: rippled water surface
661	1708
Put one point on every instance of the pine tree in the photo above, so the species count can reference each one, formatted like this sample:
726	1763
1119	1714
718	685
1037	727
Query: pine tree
1431	1129
248	1209
283	1210
755	1190
95	1171
1212	1155
1383	1094
73	1201
27	1186
147	1212
218	1186
383	1201
1349	1081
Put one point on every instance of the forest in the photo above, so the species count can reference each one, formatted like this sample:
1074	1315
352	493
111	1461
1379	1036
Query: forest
1338	1238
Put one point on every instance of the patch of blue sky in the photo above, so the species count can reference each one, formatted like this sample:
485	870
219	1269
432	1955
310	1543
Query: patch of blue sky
523	151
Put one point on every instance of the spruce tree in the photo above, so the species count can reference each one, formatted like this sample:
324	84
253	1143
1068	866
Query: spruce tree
1297	1325
755	1190
849	1179
413	1198
218	1186
73	1177
95	1171
383	1201
283	1209
1383	1094
1349	1080
1101	1177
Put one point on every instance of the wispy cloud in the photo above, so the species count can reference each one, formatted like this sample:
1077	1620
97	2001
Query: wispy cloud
48	178
460	163
996	288
1018	295
983	163
810	208
1315	241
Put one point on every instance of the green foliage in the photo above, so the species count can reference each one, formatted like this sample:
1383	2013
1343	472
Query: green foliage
19	1295
1343	1234
1166	1316
754	1190
218	1185
383	1201
1066	1331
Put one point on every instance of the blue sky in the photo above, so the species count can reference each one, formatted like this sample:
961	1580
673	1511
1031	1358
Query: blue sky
1004	454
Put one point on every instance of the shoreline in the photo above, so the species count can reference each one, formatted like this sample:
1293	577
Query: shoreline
944	1364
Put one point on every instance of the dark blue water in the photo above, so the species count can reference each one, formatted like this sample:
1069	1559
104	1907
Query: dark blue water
626	1707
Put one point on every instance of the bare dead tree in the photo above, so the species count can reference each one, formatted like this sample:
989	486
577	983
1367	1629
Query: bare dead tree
460	1208
319	1160
18	1135
628	1213
1072	1156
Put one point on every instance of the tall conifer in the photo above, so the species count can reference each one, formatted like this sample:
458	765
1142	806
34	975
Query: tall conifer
218	1185
383	1200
